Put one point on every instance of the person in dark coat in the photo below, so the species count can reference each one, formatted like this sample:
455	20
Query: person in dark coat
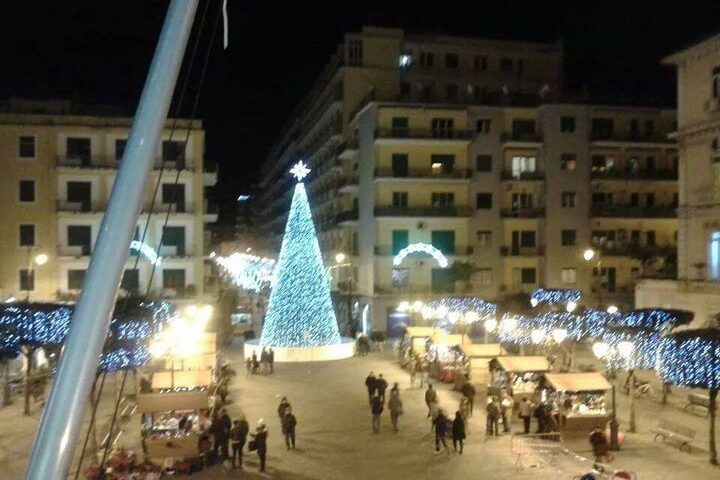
493	417
288	428
441	431
282	408
376	407
468	391
226	426
381	387
271	360
430	398
371	384
458	431
238	436
255	363
541	415
260	439
600	445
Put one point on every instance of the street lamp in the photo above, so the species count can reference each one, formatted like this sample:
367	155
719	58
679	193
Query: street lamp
602	351
612	309
340	258
626	349
590	255
40	259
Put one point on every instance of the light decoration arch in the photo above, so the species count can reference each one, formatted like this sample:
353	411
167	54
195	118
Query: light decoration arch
425	248
146	251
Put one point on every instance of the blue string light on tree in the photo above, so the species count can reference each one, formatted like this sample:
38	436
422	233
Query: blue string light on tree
300	311
644	344
654	318
568	298
450	311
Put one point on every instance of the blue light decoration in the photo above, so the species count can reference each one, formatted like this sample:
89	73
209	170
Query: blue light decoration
654	318
147	251
515	329
424	248
644	351
246	271
37	324
458	309
300	311
690	358
554	297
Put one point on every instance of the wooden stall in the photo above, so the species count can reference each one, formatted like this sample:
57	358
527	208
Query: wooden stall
579	401
479	355
520	375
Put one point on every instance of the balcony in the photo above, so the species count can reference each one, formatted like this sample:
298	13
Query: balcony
509	175
626	211
348	184
348	216
623	249
79	207
424	173
424	134
73	251
523	139
211	213
621	137
516	251
669	174
522	212
389	289
210	173
88	162
448	211
348	148
176	251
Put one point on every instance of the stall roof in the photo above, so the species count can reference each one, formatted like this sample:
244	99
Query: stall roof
421	331
578	382
483	350
452	339
524	364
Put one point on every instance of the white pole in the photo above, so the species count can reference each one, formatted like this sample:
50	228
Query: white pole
62	419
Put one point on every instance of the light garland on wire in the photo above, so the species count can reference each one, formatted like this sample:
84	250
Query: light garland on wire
690	358
247	271
37	324
642	345
453	310
655	319
147	251
554	297
421	248
300	312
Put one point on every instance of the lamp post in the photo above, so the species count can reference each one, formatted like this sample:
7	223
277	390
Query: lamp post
40	259
589	255
626	350
602	351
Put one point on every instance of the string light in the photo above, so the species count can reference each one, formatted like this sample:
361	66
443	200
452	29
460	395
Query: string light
421	248
690	358
250	272
553	297
300	311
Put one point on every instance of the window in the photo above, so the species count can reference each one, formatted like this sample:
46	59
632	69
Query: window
130	280
451	92
602	163
649	128
404	89
400	240
650	164
601	199
426	92
527	239
601	128
521	165
527	276
568	161
483	163
480	63
523	129
443	240
442	163
483	201
78	149
427	59
80	236
484	238
174	278
568	275
442	127
400	277
27	280
483	276
174	151
26	146
650	199
634	130
506	64
400	165
567	124
650	238
27	235
400	199
443	199
174	237
75	279
714	255
521	201
634	199
482	125
442	280
400	127
27	190
355	53
120	144
80	193
173	194
451	60
568	237
520	67
567	199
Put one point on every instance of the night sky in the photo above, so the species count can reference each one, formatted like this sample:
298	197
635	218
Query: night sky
99	51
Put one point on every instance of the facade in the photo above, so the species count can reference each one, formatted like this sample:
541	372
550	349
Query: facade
468	145
60	161
698	135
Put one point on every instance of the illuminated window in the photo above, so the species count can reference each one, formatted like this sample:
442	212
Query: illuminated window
714	255
568	275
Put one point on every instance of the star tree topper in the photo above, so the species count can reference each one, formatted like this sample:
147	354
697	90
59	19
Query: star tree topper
300	171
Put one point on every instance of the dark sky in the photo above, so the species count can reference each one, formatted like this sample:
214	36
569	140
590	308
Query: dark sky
100	51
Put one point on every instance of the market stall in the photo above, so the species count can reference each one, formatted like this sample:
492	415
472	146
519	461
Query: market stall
419	337
519	375
446	357
480	355
578	401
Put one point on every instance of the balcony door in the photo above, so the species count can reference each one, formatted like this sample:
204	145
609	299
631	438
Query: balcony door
81	193
80	236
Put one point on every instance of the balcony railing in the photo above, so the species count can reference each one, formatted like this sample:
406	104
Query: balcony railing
523	212
624	249
110	162
628	138
449	211
668	174
460	250
535	137
421	134
347	216
74	250
517	251
625	211
79	207
455	174
414	289
512	175
176	251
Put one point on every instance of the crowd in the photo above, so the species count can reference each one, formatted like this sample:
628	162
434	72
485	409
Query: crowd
264	366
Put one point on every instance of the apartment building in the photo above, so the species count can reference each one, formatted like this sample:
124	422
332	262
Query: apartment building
698	136
59	163
467	145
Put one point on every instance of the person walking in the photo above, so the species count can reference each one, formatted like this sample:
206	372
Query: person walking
468	391
264	361
376	407
493	417
430	397
282	408
541	415
396	408
525	412
248	367
506	408
238	436
271	360
424	374
600	446
413	373
255	363
288	428
458	431
371	385
259	442
441	431
382	385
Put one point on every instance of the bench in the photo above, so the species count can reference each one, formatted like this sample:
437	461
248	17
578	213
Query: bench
698	401
669	431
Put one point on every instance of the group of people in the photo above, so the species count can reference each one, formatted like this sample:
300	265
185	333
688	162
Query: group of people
499	410
266	364
376	387
228	435
442	426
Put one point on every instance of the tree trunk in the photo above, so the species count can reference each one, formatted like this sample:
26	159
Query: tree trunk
631	426
713	408
666	390
7	396
29	351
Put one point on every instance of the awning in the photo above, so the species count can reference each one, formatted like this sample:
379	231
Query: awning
453	339
524	364
426	332
163	402
577	382
190	378
483	350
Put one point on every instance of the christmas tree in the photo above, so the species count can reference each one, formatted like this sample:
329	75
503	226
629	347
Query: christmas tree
300	312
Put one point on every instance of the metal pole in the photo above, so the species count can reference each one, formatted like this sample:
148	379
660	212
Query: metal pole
614	443
62	419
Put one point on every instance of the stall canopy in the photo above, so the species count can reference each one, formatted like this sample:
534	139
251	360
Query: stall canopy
577	382
181	379
453	339
426	332
483	350
523	364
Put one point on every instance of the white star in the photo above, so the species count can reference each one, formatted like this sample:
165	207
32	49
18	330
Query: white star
300	170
